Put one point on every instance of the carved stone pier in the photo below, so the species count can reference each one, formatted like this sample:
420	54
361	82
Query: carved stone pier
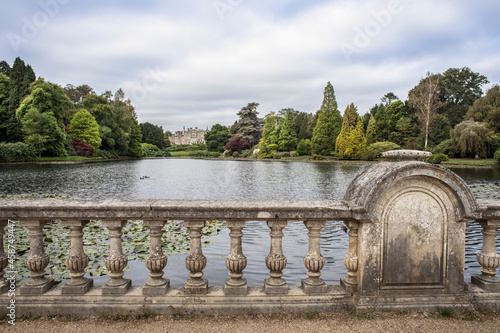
77	260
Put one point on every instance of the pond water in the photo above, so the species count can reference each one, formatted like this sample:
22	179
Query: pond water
227	179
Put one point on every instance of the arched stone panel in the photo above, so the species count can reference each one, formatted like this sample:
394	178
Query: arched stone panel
411	235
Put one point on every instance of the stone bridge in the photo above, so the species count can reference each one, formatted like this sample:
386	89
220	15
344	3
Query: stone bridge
406	222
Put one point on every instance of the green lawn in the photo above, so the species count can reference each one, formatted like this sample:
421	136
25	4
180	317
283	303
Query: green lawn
180	153
471	161
67	158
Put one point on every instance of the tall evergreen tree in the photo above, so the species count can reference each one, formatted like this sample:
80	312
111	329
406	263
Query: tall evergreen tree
21	76
404	133
382	124
287	139
249	126
4	106
371	131
5	68
395	111
328	125
351	141
269	142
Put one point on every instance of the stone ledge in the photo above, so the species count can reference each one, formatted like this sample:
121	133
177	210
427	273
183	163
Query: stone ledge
335	299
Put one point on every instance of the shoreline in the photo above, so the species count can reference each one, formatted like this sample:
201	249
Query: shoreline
451	163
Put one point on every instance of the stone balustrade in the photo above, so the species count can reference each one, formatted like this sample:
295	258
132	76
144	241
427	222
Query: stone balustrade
406	225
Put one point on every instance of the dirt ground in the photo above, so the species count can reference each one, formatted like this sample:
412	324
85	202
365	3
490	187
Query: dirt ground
379	322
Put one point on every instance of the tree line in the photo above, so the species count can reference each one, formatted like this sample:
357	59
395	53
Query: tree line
446	113
40	118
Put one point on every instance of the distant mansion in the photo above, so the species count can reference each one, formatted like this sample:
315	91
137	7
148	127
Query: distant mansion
188	137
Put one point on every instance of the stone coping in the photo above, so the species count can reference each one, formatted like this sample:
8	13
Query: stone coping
144	209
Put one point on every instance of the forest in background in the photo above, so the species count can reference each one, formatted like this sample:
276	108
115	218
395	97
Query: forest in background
446	113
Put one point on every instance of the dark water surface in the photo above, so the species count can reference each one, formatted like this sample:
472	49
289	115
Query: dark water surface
224	179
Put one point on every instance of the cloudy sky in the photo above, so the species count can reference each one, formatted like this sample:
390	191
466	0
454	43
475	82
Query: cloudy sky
195	63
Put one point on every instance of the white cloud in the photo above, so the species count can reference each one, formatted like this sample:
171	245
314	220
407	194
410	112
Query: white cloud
184	65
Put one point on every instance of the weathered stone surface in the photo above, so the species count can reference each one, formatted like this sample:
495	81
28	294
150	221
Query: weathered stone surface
406	155
411	240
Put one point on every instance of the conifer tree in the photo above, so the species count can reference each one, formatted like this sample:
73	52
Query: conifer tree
328	125
84	128
351	141
287	139
371	131
269	142
381	124
21	76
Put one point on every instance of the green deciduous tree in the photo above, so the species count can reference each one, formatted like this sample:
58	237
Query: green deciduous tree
351	141
487	109
458	89
472	138
47	97
328	125
42	131
303	125
153	134
134	145
84	128
217	138
424	97
287	139
78	94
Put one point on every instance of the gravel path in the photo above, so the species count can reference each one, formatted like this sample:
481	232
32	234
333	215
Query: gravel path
275	323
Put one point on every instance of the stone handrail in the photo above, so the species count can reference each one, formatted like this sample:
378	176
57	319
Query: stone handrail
366	210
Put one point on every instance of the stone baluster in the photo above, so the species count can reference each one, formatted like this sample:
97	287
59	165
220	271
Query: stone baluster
351	258
275	260
116	261
195	261
314	261
77	260
36	261
488	258
236	261
4	259
156	261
